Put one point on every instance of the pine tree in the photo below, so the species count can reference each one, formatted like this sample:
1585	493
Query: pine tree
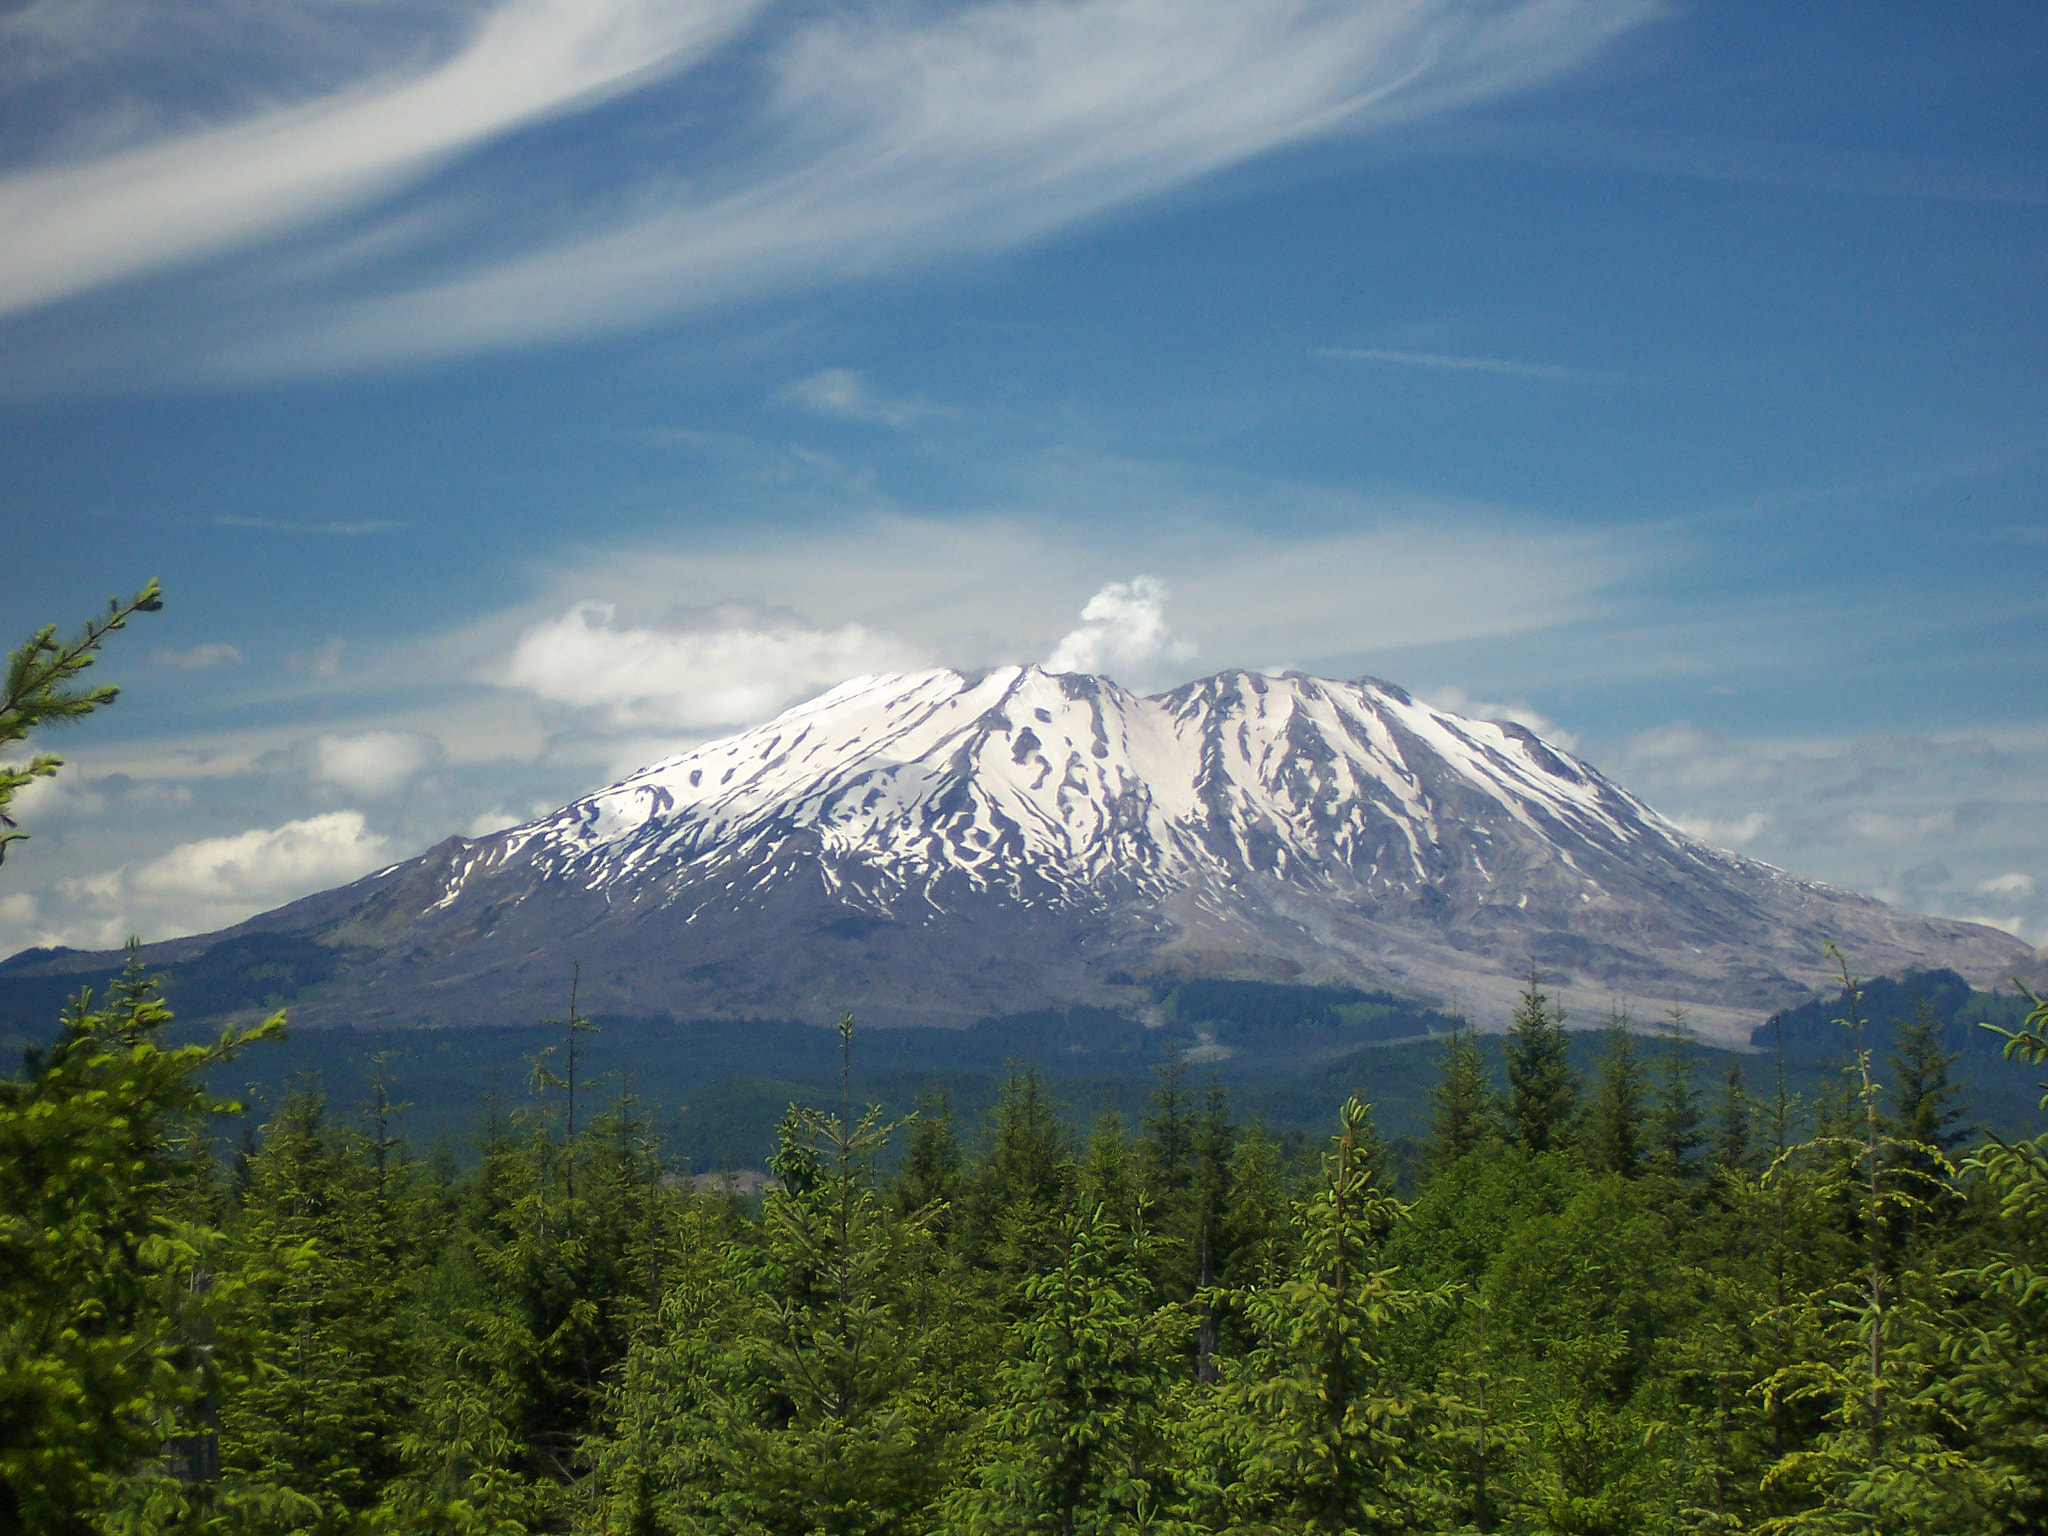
1166	1147
932	1173
1675	1134
319	1412
1922	1122
41	691
1316	1429
1614	1120
1257	1217
1733	1149
105	1243
1075	1444
1463	1114
1107	1180
1543	1090
1209	1220
1023	1179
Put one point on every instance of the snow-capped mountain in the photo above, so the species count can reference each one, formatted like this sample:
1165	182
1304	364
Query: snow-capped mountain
943	846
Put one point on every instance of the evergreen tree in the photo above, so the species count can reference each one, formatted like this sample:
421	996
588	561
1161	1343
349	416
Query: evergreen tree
1733	1149
1463	1114
1075	1443
1675	1133
932	1173
1614	1120
1166	1147
1209	1220
1316	1429
41	690
1543	1089
1257	1218
1023	1179
1921	1122
106	1240
1108	1182
319	1411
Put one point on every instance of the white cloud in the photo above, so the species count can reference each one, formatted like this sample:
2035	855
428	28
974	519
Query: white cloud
1883	826
1459	702
1446	363
1930	823
42	799
263	866
879	137
373	764
198	885
982	591
1123	628
199	657
1738	832
497	819
729	667
843	394
323	660
73	226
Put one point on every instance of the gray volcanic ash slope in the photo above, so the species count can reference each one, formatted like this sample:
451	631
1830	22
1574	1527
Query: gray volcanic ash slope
944	846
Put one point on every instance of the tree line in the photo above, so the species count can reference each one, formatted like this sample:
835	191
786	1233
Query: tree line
1630	1304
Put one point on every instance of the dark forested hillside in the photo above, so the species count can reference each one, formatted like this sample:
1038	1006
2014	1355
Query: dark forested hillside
1609	1285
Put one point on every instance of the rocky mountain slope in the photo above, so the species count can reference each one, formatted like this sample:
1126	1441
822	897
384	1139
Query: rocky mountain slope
941	846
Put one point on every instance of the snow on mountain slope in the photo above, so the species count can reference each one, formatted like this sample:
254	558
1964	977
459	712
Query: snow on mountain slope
939	846
1035	784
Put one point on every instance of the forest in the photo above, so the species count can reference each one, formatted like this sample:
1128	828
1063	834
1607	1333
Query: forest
1590	1301
1629	1302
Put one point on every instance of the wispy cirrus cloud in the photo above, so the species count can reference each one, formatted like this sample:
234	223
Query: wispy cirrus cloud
80	223
345	529
842	394
1756	161
837	144
1449	363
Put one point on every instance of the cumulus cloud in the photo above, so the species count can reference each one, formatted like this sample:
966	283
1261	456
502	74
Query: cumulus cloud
726	666
1737	832
198	885
497	819
373	764
1459	702
265	865
199	657
1123	627
1931	823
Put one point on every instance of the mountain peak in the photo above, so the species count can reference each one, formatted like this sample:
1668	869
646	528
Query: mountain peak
943	845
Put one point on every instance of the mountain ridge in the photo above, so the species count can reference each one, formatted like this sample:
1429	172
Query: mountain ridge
940	846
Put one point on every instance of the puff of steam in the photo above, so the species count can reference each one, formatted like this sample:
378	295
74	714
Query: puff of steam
1123	626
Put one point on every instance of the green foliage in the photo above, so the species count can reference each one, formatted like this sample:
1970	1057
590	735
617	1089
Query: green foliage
1463	1114
1615	1120
1601	1323
1075	1438
41	690
1315	1428
1543	1090
108	1242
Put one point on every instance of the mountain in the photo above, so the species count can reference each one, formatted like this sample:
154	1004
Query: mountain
941	846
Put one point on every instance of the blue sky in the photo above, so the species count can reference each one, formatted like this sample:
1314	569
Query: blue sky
510	393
